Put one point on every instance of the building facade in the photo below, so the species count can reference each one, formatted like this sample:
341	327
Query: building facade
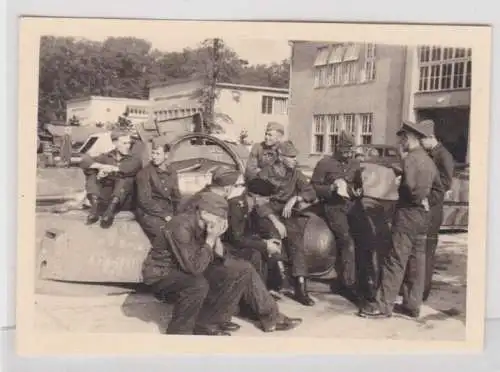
368	89
237	108
439	88
358	88
95	109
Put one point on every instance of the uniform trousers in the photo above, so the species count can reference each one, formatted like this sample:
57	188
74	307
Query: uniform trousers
121	188
436	219
215	296
337	220
370	220
151	225
407	254
294	243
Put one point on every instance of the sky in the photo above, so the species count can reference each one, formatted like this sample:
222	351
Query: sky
255	51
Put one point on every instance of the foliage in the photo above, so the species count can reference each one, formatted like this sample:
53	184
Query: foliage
125	67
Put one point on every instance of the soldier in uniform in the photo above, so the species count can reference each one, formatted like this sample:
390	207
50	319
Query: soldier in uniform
278	218
158	193
445	166
330	177
110	180
189	264
264	153
242	235
409	232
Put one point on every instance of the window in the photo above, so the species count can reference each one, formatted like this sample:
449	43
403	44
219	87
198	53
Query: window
444	68
369	68
280	106
267	105
366	128
319	134
322	56
349	123
333	129
351	53
339	64
349	73
327	129
274	105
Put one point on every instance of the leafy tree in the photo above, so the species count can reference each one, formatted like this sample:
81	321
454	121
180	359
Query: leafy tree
126	66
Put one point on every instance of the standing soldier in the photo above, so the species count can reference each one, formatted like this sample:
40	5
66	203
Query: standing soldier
158	193
264	153
330	177
409	232
279	217
445	166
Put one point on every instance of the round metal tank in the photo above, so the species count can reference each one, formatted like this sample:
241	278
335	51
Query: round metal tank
320	247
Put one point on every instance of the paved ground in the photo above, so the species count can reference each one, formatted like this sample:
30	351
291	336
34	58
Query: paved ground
443	317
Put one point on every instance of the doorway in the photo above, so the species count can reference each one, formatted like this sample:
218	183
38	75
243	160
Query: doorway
451	129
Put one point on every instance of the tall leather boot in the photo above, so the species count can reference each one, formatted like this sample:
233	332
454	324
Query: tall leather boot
301	294
93	215
108	216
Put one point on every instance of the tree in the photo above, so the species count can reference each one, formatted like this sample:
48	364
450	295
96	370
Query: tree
126	66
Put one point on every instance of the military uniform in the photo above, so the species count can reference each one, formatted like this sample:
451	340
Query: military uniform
158	196
207	287
370	219
114	192
242	236
409	232
445	167
287	183
262	155
336	207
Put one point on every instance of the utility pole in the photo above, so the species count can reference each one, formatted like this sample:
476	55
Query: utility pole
214	75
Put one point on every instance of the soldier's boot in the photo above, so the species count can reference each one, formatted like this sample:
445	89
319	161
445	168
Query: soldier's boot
93	215
300	294
108	216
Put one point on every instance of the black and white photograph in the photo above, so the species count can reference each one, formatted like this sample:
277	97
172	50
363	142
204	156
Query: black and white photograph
244	184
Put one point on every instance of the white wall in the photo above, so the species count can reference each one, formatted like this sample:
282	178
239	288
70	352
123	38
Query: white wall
243	109
100	109
80	109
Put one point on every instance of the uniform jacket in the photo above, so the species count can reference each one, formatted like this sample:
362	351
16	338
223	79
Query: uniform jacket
445	167
240	234
260	156
128	165
330	169
292	183
158	191
419	174
185	251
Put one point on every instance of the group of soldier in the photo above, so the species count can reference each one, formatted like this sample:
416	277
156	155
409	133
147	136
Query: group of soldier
228	249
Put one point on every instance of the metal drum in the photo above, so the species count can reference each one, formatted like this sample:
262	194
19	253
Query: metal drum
320	247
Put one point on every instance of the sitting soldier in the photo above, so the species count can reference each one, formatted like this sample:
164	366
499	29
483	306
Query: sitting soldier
158	192
110	179
241	234
264	153
189	262
277	217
